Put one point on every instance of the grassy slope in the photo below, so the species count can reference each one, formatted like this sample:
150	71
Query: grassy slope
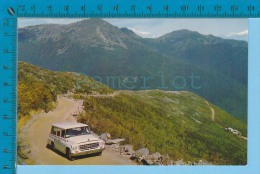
38	88
165	122
162	121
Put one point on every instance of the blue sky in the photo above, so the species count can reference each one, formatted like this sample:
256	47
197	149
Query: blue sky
152	28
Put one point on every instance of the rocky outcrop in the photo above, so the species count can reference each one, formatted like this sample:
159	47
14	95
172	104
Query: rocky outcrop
166	160
127	150
143	156
142	152
180	162
153	159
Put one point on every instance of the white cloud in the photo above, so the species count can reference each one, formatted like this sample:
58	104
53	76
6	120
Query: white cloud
241	33
142	33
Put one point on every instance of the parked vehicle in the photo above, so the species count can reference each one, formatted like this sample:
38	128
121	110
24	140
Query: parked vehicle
74	139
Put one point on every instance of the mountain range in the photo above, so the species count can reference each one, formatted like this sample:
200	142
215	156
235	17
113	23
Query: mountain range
212	67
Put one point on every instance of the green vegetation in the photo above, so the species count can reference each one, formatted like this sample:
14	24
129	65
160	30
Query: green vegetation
99	49
177	123
38	88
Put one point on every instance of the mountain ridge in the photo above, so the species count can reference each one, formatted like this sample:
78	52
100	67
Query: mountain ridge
99	49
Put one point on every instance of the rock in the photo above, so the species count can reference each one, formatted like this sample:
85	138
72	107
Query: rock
204	162
149	162
166	159
153	159
194	163
114	147
154	156
114	141
142	152
157	156
180	162
108	135
127	150
140	159
105	136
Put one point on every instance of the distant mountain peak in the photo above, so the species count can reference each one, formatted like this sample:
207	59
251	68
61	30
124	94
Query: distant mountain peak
91	22
129	32
183	33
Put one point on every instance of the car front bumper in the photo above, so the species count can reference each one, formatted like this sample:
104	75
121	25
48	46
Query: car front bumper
80	153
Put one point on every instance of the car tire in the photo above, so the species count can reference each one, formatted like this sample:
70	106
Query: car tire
99	153
48	146
69	156
52	146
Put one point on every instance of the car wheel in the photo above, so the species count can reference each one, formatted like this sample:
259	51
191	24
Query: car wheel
69	155
99	153
52	146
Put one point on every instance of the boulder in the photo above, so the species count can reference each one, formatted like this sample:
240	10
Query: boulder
180	162
153	159
166	159
154	156
204	162
140	159
105	136
108	135
194	163
149	162
142	152
127	150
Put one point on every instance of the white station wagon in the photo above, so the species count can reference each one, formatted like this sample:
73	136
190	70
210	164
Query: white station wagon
74	139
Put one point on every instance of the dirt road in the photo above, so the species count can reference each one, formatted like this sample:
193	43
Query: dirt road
212	111
38	129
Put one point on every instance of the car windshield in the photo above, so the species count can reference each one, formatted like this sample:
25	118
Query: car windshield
77	131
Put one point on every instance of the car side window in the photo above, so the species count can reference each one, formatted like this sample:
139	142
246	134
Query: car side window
58	132
63	133
53	130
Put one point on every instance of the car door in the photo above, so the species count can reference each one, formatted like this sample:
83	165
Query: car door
62	143
57	139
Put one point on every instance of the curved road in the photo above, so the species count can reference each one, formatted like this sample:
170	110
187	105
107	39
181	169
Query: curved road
37	131
212	111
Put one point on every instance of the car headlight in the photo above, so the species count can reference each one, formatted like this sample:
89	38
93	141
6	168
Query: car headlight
74	147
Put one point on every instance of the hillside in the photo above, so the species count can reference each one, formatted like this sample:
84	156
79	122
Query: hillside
181	124
211	67
38	88
207	51
178	123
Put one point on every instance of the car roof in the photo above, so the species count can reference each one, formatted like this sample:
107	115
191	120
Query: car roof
68	125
